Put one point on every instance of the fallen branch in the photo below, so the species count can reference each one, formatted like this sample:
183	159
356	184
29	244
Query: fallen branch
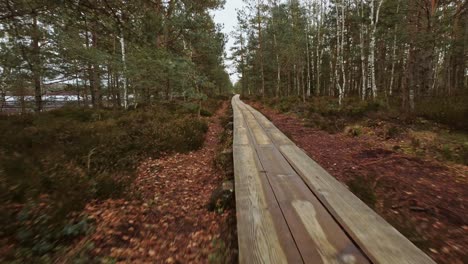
418	209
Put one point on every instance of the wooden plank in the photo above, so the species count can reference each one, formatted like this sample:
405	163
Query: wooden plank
275	134
263	235
318	237
379	240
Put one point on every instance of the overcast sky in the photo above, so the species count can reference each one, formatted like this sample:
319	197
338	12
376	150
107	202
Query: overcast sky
228	17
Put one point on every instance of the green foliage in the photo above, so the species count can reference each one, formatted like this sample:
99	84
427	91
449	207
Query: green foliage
38	233
451	151
160	52
221	200
351	108
441	144
392	131
293	48
222	197
284	104
452	111
58	161
362	188
354	131
324	112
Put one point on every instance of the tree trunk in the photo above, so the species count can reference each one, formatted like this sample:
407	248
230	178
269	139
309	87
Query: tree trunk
2	97
308	58
36	65
362	49
260	46
374	19
124	64
278	68
339	52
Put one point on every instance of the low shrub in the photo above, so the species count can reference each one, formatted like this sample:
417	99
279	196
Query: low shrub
392	131
354	131
363	188
221	200
74	155
330	124
451	111
454	153
212	104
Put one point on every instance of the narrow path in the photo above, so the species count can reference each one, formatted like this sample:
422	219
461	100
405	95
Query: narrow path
290	210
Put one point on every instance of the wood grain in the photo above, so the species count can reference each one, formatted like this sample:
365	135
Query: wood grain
292	211
263	235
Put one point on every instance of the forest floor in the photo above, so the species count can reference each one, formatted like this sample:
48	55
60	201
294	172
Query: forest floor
425	199
168	221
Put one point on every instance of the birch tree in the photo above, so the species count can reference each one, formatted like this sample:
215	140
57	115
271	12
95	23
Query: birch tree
374	20
340	33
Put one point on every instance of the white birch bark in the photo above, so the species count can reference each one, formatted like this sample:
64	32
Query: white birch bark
308	51
318	49
124	78
363	56
308	61
124	63
374	20
392	74
339	51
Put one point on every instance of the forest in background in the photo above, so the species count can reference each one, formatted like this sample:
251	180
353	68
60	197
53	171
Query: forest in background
407	54
111	52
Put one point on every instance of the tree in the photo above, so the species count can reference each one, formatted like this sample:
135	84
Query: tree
114	51
372	49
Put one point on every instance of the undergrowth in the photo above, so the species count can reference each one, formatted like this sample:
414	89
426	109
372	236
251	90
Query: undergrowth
53	163
222	199
445	120
363	188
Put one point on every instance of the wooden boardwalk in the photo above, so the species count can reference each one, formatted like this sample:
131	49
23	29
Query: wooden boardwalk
290	210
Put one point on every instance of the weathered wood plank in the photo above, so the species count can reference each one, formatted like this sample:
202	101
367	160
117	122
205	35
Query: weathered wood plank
312	202
275	134
263	234
379	240
318	237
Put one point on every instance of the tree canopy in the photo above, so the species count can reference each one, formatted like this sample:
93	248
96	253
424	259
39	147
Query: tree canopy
373	49
113	52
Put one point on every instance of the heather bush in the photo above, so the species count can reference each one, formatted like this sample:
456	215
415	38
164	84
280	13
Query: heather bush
62	159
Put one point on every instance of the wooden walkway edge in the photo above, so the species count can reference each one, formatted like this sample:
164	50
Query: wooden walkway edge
290	210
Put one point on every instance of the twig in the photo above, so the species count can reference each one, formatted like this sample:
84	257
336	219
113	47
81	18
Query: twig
376	181
89	159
